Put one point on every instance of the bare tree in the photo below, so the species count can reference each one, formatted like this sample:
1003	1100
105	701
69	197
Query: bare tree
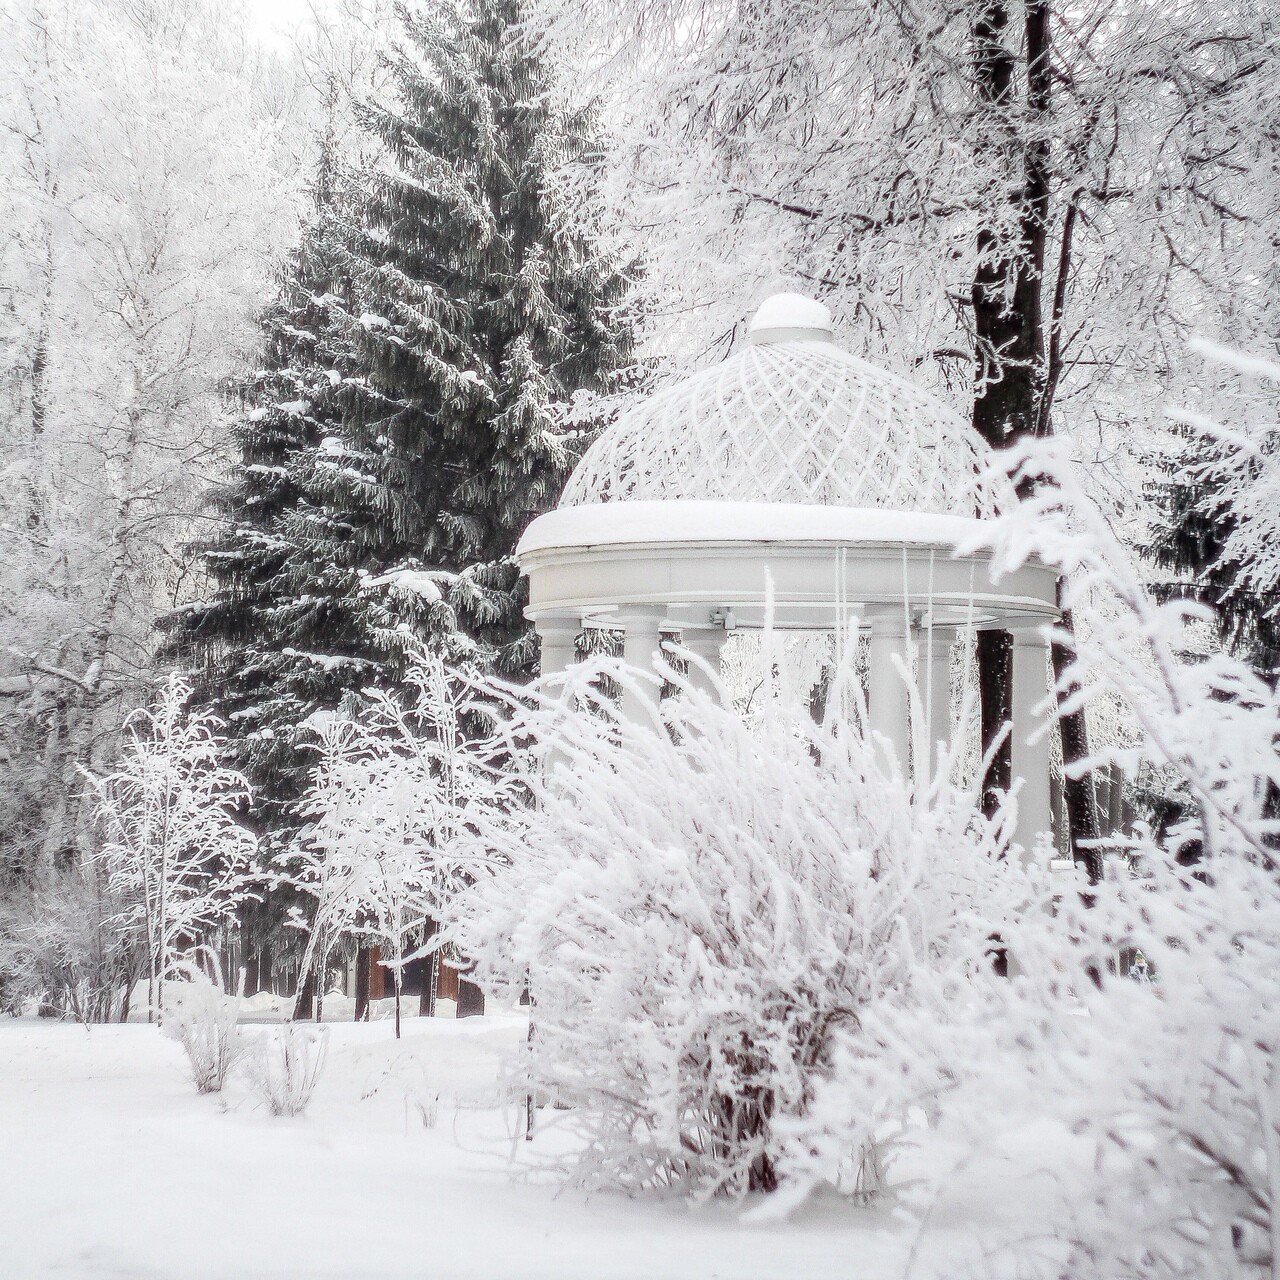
172	847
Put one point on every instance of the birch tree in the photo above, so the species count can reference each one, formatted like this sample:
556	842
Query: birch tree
393	791
146	206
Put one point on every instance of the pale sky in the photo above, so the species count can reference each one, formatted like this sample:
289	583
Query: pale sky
277	20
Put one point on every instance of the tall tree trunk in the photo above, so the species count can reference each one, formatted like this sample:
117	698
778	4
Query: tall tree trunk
304	1003
1078	793
995	669
364	962
430	972
1015	378
40	380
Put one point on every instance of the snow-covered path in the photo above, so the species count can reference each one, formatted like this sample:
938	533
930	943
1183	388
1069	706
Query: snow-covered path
112	1166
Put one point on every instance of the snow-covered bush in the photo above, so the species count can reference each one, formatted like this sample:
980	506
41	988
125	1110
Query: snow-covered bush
65	949
1175	1082
202	1016
708	914
283	1066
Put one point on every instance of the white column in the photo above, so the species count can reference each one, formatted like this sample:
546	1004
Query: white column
557	638
1030	759
935	679
887	692
640	648
705	643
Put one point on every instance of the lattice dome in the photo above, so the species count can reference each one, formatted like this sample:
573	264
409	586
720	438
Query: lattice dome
793	418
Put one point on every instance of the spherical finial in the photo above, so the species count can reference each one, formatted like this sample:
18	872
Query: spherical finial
791	317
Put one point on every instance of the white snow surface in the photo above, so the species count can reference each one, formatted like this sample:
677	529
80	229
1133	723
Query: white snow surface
114	1167
791	311
650	523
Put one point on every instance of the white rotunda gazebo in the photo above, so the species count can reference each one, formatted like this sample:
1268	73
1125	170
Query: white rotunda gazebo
847	487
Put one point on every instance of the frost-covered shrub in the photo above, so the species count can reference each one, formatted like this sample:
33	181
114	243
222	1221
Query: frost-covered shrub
202	1018
707	914
283	1066
173	847
1174	1082
66	948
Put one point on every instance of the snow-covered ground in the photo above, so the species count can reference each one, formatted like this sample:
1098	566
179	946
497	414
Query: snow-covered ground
112	1166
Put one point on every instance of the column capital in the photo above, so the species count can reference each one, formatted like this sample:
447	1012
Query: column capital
1032	638
557	637
558	624
641	650
886	622
703	640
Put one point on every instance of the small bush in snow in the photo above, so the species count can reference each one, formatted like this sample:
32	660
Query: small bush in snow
709	915
283	1066
202	1018
409	1077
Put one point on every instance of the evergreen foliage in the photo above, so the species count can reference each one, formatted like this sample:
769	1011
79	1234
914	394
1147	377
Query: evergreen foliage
430	333
279	636
1193	523
491	309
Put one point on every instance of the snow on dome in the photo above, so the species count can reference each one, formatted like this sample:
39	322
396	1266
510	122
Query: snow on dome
791	317
793	419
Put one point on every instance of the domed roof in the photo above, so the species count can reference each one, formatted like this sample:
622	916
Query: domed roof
793	418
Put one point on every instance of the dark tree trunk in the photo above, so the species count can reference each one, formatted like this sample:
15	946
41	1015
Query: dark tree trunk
304	1005
1004	300
430	972
1015	378
1082	811
364	960
995	668
1007	284
470	999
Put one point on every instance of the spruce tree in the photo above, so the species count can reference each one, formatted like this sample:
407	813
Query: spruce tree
1192	525
402	429
493	308
272	642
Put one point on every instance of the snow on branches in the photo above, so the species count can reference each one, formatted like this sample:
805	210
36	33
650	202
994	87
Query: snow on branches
172	847
1174	1080
392	790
